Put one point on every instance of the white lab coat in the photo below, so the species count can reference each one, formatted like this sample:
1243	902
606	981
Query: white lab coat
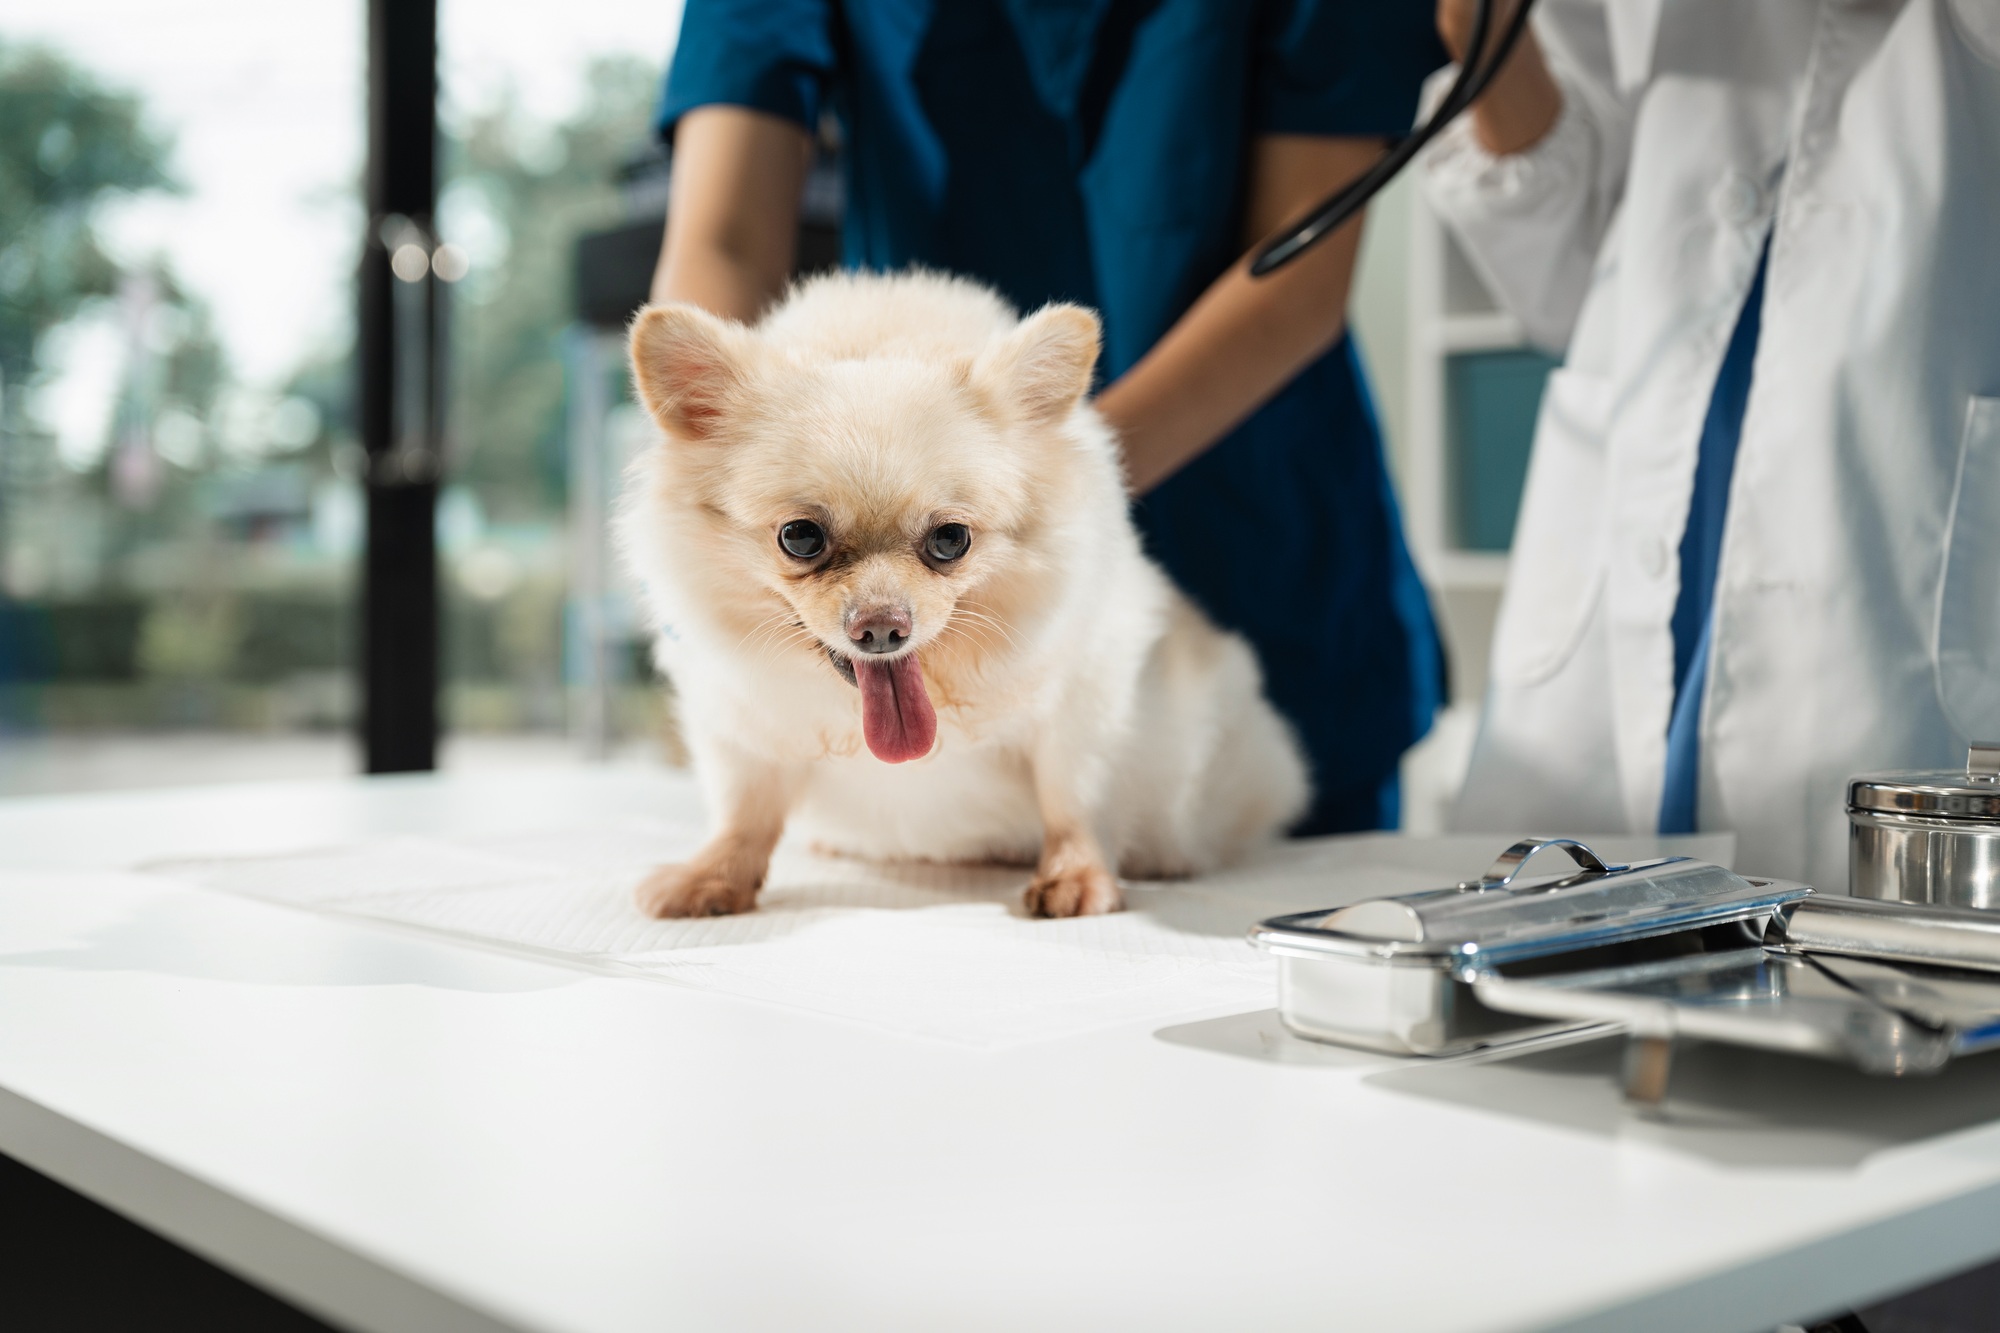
1857	602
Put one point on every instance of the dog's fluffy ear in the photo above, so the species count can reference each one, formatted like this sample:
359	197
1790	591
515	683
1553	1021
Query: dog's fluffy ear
1042	368
689	367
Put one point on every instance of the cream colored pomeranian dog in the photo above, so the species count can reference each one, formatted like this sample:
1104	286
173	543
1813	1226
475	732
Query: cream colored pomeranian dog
885	547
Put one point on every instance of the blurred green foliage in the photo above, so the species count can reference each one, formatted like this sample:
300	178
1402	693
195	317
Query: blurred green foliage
66	141
210	596
69	144
529	190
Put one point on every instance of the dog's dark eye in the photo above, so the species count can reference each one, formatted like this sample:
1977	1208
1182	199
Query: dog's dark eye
802	538
948	541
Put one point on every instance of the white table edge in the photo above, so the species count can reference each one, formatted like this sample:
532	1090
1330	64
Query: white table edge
1833	1275
323	1278
351	1291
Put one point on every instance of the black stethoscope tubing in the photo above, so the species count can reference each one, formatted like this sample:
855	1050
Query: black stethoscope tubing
1349	199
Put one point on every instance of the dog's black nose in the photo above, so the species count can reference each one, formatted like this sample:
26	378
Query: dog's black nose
880	629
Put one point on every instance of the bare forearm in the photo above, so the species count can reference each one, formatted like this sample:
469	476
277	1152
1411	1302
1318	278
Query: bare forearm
1521	105
1237	346
710	276
732	213
1523	102
1246	337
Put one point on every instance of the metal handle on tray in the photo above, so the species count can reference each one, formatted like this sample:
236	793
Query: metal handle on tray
1502	872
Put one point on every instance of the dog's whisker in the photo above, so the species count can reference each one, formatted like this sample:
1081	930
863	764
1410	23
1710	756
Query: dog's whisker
962	632
774	633
983	642
964	628
775	640
764	635
988	622
762	625
796	636
980	636
987	630
767	624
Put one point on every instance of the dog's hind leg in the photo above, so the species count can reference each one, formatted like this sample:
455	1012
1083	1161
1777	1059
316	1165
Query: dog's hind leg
750	800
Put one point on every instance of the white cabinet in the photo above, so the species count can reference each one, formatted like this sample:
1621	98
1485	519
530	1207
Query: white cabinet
1457	385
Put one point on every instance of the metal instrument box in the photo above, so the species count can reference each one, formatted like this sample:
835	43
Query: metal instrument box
1889	988
1398	974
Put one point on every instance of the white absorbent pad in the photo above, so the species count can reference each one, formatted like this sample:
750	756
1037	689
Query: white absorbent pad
933	951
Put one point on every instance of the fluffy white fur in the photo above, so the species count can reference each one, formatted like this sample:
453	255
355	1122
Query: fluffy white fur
1088	717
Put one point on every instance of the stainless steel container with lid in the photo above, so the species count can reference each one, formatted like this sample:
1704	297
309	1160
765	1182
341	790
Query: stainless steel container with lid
1394	974
1928	837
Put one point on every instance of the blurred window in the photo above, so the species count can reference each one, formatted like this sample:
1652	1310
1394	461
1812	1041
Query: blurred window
180	219
178	222
546	113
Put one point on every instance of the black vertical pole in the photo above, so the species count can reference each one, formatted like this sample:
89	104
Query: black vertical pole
399	364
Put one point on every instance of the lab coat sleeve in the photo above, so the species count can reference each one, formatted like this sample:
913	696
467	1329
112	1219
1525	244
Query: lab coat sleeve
1532	222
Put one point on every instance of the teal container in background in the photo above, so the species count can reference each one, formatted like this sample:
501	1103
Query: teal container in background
1491	400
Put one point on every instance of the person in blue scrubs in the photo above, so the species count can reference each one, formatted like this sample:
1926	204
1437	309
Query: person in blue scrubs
1122	156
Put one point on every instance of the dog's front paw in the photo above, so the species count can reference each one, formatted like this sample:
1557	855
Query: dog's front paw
1085	890
695	889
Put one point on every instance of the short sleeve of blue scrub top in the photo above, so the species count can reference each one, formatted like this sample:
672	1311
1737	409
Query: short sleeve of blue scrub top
1097	151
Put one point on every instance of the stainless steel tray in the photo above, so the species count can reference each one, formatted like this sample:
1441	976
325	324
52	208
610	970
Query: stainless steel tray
1394	974
1878	1017
1890	988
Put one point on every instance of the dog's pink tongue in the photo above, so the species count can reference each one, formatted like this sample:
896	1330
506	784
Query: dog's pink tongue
896	716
